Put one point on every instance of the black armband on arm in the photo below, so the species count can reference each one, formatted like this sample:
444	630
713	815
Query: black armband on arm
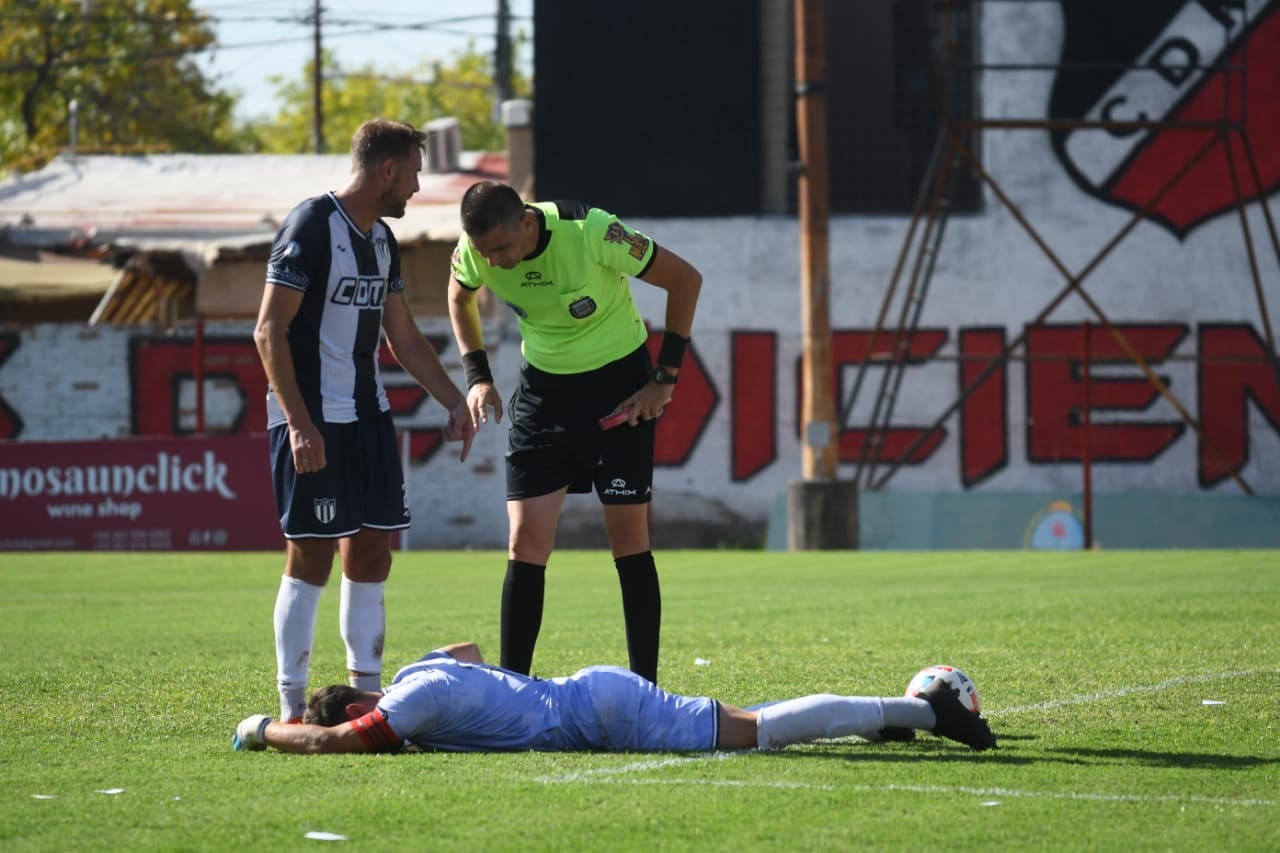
475	367
672	351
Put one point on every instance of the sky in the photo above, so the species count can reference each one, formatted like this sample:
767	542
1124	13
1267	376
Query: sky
258	39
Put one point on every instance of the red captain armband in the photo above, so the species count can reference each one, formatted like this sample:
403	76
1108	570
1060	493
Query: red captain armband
376	732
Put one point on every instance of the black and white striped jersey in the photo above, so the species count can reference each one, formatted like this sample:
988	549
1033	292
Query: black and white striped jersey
344	276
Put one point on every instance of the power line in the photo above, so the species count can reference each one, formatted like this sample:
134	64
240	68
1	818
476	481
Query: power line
336	29
358	28
373	25
149	56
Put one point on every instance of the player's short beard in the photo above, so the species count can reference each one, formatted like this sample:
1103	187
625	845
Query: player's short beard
391	206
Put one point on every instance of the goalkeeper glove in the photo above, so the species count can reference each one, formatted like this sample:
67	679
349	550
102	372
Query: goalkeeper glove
251	733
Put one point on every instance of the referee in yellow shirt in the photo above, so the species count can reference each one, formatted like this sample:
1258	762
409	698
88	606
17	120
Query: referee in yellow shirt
564	268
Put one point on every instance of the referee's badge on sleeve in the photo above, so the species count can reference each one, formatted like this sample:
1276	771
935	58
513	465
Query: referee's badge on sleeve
637	244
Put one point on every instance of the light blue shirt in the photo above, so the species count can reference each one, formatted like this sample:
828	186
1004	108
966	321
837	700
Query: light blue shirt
442	703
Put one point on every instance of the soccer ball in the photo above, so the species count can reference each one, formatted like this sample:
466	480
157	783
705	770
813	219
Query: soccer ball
951	675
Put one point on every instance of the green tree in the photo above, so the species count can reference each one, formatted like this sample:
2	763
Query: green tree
126	65
462	89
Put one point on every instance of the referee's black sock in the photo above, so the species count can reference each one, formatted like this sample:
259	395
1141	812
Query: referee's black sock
522	593
641	611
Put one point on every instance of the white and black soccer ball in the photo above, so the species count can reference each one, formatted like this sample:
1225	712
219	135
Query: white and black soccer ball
952	676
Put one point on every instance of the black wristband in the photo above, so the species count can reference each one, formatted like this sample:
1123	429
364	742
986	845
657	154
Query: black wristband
672	351
475	367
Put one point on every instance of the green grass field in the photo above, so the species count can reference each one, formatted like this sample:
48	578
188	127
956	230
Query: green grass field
1134	694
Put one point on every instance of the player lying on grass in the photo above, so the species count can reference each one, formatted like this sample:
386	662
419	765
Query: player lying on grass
452	700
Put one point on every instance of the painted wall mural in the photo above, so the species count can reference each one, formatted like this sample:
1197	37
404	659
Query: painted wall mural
1188	289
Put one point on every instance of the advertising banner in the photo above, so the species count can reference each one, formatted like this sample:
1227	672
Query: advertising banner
138	494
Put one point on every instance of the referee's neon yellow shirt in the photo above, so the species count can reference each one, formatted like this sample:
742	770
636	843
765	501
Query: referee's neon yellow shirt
573	296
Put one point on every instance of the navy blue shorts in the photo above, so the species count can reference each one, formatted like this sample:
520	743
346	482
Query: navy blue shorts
555	438
361	484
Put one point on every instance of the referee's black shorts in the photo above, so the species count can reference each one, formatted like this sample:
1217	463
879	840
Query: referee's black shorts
555	438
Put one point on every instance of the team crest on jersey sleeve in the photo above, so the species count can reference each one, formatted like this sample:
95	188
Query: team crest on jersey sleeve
639	243
456	267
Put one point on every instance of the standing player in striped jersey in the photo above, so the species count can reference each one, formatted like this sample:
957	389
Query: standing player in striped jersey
565	269
333	288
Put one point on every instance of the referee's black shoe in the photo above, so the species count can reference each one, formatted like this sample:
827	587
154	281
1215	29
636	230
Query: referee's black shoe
954	720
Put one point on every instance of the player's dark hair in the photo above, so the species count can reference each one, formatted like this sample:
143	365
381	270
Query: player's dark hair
328	705
379	139
489	205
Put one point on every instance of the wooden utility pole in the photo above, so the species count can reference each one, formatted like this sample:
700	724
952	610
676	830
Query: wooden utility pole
317	83
822	512
817	406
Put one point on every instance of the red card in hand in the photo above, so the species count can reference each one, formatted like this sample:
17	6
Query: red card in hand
616	419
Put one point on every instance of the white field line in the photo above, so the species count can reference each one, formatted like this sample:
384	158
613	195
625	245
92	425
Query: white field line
624	775
1070	795
1126	691
1007	793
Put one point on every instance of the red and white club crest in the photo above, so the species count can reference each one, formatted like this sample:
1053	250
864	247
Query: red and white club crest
1214	63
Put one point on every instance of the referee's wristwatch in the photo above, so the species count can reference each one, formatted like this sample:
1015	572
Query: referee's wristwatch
662	377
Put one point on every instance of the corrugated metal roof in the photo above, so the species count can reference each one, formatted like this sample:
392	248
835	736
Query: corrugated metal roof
180	215
195	201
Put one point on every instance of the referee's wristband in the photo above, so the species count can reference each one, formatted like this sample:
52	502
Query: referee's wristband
671	353
475	367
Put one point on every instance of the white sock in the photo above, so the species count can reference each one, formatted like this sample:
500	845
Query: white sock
362	619
295	622
908	712
822	715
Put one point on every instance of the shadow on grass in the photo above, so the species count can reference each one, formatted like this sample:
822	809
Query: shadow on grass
934	749
918	751
1183	760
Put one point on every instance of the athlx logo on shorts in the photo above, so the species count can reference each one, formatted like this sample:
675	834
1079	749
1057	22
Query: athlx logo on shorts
619	488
